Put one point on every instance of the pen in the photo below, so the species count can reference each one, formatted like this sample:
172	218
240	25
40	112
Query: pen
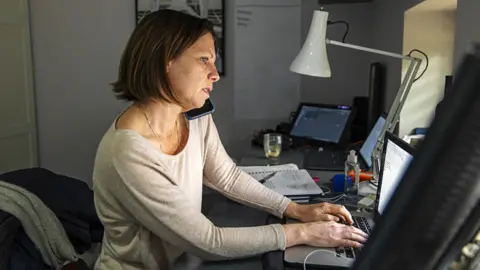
267	177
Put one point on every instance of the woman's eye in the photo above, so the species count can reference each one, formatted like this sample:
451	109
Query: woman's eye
204	59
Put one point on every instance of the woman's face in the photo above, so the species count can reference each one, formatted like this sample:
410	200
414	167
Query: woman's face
193	73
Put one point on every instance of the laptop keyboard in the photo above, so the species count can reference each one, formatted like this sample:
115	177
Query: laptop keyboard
349	252
362	224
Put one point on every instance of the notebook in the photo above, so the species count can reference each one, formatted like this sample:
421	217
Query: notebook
287	179
260	172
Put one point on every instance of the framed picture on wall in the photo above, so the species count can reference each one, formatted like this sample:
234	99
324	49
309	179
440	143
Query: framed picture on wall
213	10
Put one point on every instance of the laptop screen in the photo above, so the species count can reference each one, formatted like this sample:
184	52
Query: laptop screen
323	124
369	144
397	159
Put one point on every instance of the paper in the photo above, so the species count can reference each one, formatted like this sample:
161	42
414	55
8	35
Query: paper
288	179
260	172
293	183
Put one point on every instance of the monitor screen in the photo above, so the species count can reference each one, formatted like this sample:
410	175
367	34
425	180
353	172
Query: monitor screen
369	144
396	161
321	123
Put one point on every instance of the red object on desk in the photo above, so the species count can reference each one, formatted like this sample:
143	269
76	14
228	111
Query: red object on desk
364	176
315	179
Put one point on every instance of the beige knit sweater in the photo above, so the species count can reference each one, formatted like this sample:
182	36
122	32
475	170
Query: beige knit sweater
150	202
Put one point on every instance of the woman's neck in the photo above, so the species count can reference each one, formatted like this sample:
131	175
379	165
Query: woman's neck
162	116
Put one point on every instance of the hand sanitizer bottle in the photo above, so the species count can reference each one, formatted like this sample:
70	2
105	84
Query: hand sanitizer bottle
351	165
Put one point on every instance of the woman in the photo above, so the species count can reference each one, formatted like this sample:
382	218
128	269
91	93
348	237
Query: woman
151	163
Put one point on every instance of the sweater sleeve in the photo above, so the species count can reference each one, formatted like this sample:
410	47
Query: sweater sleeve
223	175
154	200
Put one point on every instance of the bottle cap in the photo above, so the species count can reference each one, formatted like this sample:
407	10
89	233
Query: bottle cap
352	157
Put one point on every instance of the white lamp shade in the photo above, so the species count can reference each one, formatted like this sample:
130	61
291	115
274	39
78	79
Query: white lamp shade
312	59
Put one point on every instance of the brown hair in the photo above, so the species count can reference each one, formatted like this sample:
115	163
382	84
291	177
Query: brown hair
160	37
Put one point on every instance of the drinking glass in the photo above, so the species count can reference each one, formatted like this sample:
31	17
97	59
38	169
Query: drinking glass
272	145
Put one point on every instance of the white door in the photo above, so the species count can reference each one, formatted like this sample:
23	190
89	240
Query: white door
18	135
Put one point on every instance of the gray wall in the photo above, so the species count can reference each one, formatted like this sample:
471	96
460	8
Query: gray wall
388	29
388	36
350	68
77	46
467	30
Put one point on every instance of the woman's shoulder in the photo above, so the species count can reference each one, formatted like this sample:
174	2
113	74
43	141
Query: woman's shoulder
120	142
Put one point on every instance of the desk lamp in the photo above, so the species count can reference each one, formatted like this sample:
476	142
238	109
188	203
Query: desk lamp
312	60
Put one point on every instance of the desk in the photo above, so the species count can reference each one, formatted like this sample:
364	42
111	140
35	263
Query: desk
226	213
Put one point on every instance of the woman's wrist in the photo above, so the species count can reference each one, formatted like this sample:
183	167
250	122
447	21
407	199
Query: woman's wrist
295	234
293	211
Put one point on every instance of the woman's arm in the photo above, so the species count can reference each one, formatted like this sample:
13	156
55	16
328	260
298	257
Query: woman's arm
223	175
156	202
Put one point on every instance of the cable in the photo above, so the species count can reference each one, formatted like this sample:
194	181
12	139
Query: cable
350	146
315	251
426	58
325	193
333	199
347	26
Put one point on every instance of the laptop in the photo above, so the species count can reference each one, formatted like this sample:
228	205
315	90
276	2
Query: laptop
321	124
396	158
335	160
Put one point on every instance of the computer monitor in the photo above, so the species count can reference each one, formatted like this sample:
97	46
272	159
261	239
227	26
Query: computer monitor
325	123
369	144
396	158
435	209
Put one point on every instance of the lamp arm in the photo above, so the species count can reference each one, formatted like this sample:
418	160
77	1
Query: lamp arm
366	49
394	114
399	101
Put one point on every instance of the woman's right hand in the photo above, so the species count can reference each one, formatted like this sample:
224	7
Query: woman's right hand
324	234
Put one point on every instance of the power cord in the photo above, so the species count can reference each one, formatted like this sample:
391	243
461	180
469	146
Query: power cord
347	26
426	59
318	250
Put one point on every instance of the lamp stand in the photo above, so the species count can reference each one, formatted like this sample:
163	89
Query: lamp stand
397	105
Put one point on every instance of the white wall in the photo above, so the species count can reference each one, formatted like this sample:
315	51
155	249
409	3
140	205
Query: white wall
432	32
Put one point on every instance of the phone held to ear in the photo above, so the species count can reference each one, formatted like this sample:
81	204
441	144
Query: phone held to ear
206	109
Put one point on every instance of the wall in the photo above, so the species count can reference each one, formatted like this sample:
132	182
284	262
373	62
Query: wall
350	68
388	23
432	32
387	35
467	30
76	51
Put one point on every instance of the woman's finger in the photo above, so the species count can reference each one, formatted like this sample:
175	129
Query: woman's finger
358	231
340	210
327	217
354	236
350	243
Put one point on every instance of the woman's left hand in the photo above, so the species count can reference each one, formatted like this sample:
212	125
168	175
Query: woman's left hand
319	212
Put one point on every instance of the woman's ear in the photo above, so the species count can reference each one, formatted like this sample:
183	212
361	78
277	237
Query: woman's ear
168	66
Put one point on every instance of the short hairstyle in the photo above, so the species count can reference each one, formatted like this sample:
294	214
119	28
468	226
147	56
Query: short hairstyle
160	37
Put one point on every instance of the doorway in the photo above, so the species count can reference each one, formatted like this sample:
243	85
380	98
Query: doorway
429	27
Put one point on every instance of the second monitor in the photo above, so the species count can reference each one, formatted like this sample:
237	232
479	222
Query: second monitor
322	123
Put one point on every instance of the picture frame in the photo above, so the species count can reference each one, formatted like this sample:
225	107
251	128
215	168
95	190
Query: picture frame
213	10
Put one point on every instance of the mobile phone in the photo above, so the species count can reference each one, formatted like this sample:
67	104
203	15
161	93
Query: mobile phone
206	109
